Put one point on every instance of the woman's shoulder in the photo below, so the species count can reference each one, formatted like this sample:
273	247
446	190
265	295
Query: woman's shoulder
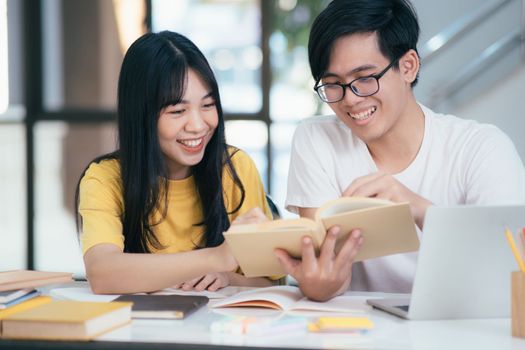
103	170
239	158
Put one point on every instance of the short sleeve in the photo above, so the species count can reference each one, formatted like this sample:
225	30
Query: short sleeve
100	206
494	172
255	196
309	182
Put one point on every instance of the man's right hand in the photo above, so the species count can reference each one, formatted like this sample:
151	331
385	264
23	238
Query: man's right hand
321	278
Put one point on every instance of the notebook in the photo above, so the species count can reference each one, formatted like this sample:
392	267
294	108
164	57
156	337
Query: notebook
464	265
163	306
10	295
19	300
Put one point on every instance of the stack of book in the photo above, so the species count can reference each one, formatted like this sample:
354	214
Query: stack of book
22	279
10	298
24	314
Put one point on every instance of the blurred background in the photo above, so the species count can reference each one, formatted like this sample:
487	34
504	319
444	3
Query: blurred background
59	64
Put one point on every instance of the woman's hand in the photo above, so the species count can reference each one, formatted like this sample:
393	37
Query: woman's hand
211	281
252	216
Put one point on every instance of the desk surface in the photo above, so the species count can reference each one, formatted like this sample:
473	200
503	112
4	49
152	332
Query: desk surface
390	332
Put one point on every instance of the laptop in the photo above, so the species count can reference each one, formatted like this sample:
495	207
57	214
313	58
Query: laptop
464	265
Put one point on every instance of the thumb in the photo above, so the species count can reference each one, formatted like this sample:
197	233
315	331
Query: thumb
288	263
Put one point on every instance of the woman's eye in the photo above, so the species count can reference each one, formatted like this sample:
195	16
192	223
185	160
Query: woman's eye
209	105
176	111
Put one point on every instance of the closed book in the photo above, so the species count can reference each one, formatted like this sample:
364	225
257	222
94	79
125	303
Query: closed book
26	305
163	306
10	295
18	279
19	300
67	320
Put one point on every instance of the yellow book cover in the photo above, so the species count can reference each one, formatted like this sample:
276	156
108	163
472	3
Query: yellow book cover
67	320
387	228
18	279
26	305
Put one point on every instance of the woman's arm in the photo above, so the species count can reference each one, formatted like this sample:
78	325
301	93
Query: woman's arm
110	271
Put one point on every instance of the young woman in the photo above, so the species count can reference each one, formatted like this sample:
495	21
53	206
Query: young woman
173	186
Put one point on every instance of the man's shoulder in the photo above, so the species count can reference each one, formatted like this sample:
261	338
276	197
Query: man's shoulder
456	127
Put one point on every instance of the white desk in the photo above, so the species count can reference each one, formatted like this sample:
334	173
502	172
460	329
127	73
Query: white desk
390	332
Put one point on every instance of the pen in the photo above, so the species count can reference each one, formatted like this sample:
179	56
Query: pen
514	250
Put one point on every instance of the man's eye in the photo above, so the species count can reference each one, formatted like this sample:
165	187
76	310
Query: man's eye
366	79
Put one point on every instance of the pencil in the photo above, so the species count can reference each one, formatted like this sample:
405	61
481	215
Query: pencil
514	249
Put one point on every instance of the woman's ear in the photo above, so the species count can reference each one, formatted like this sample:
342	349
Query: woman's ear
409	65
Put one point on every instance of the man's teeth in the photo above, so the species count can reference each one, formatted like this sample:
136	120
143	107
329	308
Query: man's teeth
191	143
363	115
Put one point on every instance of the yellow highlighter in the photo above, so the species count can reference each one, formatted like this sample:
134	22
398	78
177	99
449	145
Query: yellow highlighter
331	324
517	256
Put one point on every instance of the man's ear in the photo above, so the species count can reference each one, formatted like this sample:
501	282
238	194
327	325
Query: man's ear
409	65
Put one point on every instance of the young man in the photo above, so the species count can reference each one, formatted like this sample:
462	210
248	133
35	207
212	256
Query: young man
383	143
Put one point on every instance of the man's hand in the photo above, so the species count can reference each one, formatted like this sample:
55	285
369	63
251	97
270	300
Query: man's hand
385	186
211	282
321	278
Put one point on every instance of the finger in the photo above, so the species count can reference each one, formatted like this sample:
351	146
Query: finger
309	260
253	215
177	286
374	188
328	246
350	248
205	282
360	181
216	285
188	285
289	264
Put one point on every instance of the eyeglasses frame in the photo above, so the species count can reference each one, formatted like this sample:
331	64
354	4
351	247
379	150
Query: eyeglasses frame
349	85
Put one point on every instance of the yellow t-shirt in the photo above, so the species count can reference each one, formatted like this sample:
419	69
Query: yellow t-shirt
101	206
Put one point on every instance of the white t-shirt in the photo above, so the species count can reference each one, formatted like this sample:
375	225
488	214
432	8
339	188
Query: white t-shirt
459	162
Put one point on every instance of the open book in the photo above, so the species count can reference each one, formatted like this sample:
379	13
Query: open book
290	298
387	228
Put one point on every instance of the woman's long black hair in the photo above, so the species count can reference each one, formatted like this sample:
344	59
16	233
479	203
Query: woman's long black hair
153	76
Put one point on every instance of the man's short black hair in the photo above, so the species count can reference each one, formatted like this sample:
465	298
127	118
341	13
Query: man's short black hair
394	21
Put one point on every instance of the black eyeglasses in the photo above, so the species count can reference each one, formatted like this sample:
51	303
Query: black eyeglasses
362	87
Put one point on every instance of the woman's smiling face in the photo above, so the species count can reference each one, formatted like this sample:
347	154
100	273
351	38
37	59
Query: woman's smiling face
185	129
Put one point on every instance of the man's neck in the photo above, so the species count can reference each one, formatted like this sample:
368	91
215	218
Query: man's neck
396	150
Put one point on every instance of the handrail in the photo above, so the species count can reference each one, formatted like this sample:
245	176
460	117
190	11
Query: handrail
457	29
523	29
488	56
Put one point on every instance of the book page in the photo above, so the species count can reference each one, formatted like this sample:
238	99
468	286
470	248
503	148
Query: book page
346	204
341	304
283	297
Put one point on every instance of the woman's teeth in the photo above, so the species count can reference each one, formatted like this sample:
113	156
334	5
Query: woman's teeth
363	115
191	143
